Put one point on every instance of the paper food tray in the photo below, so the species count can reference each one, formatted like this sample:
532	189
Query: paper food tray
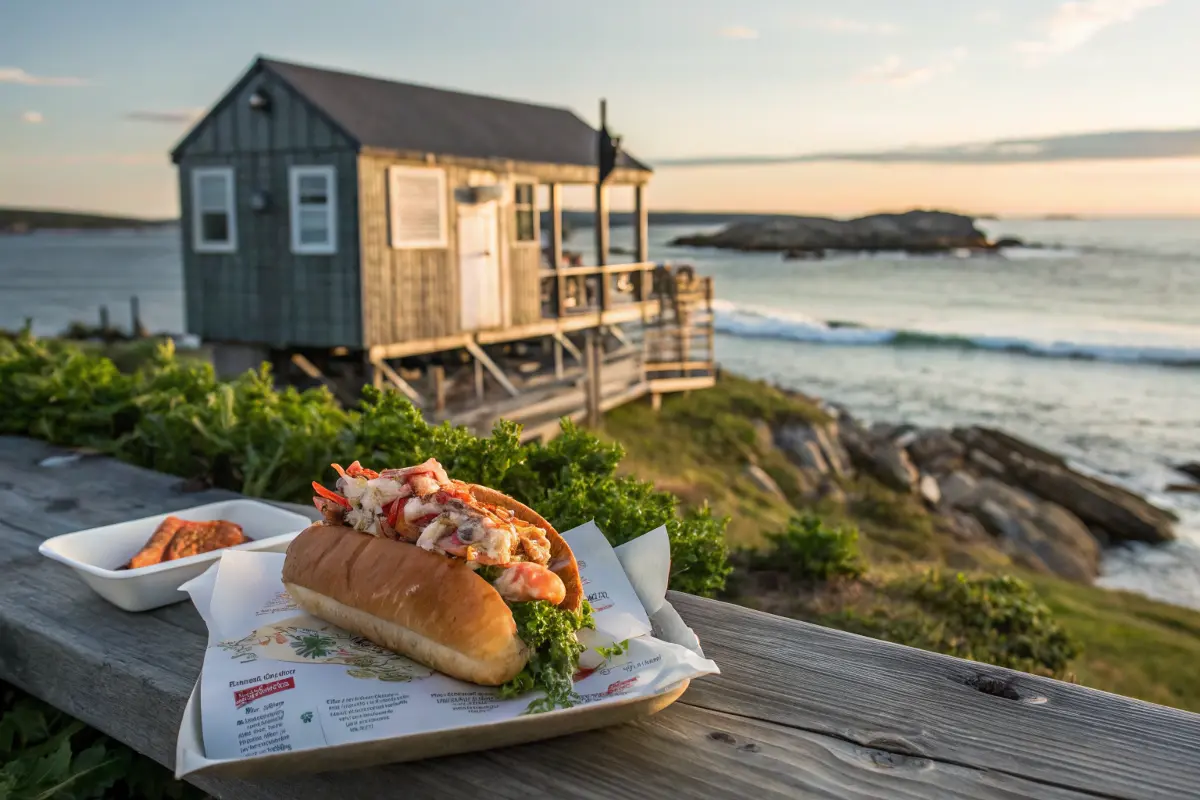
271	708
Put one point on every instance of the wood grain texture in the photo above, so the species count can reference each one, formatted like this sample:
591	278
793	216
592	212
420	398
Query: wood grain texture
129	676
907	700
798	711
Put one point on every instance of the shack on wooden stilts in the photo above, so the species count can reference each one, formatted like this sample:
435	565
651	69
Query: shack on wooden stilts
349	230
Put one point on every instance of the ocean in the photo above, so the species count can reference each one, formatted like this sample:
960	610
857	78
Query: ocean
1088	346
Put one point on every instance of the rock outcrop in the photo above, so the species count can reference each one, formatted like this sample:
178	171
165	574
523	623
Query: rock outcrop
1040	535
806	237
981	485
815	447
1112	513
1191	469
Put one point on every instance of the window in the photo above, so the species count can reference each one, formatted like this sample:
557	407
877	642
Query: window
214	220
417	199
525	210
313	193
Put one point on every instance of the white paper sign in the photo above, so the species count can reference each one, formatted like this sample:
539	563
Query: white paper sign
276	679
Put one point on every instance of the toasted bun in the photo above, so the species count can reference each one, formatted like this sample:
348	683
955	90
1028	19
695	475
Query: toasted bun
423	605
562	560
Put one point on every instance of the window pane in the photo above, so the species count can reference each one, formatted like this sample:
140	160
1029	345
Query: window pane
524	194
214	226
525	225
314	226
211	192
313	190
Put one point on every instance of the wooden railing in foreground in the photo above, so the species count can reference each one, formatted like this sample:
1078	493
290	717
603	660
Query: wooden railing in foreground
798	710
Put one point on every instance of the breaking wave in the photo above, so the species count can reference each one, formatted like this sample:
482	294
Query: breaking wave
748	322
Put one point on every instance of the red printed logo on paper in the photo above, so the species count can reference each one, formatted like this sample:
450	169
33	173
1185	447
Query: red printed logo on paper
620	686
244	696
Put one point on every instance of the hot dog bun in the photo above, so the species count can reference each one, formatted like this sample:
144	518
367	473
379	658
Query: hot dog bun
424	605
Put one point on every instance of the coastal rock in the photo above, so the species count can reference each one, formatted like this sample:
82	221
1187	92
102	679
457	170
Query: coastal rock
965	527
759	477
929	490
956	487
914	232
878	456
1123	515
802	450
892	466
814	447
937	451
1038	534
1191	469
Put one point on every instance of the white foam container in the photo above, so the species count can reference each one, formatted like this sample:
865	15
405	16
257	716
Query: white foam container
97	553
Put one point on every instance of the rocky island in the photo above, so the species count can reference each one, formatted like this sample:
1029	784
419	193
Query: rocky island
811	237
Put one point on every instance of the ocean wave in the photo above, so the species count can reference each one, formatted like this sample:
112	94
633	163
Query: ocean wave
747	322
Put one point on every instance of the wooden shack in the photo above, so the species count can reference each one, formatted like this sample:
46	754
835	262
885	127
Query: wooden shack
343	224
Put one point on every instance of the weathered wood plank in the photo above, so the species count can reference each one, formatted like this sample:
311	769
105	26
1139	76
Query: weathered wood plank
129	675
809	710
907	700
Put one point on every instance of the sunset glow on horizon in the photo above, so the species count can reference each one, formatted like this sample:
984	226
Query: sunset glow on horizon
91	102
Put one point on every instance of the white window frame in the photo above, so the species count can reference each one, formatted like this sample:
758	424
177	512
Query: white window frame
394	221
329	173
199	243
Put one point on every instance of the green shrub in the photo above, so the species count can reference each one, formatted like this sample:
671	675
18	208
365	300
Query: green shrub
245	435
993	619
810	551
46	754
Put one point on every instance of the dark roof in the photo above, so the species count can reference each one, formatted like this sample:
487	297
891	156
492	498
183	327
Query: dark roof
404	116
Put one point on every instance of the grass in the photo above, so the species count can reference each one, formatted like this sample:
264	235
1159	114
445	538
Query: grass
698	447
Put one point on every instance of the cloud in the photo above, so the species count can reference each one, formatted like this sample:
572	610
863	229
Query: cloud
33	117
989	17
20	76
847	25
895	71
1101	146
1075	23
739	32
172	117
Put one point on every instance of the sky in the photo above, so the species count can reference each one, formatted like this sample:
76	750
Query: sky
1012	107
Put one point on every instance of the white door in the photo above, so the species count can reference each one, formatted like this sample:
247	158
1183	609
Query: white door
479	266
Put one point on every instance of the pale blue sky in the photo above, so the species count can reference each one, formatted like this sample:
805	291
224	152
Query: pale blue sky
684	79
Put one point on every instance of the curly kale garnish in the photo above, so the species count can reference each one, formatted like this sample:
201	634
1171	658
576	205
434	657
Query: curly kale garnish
549	632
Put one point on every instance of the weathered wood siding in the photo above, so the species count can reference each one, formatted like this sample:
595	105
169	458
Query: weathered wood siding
407	293
412	294
524	296
263	292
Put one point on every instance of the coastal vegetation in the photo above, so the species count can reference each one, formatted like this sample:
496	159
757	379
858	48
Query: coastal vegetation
771	499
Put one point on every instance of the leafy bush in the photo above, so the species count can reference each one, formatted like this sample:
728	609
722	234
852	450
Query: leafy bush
993	619
245	435
46	754
808	551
